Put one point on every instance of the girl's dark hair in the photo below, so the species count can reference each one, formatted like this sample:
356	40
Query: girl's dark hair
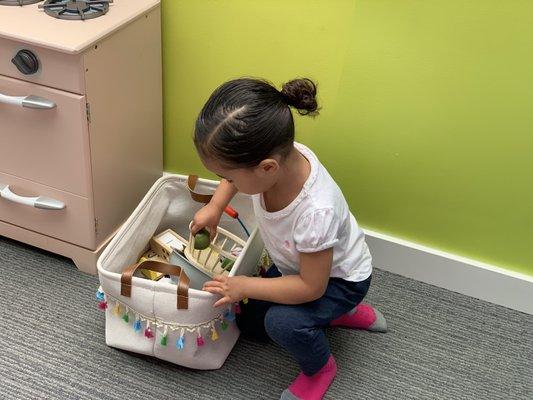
248	120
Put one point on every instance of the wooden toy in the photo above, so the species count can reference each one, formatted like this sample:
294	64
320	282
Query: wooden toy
151	255
201	259
213	259
165	242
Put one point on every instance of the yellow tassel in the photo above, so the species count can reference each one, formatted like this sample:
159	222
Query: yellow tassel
116	310
214	335
245	300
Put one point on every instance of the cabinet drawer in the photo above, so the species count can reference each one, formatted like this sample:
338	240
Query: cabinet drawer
73	224
56	69
49	146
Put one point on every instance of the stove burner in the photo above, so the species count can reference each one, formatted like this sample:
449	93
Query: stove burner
17	2
76	9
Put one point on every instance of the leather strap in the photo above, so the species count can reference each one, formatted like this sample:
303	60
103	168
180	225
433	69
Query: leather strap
166	269
199	197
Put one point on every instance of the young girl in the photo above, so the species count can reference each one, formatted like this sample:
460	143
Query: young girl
245	135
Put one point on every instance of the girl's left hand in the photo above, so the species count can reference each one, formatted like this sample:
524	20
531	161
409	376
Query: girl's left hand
232	289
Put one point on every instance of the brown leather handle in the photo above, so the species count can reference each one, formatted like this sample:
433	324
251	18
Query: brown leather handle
166	269
199	197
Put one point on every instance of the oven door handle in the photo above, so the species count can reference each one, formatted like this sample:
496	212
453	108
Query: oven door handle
45	203
28	101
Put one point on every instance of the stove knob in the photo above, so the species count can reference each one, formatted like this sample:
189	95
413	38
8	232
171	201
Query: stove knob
26	62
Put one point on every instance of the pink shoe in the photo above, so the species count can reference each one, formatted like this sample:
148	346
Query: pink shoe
312	387
363	316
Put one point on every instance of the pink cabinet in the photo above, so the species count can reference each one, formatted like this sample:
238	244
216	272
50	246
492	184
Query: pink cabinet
80	139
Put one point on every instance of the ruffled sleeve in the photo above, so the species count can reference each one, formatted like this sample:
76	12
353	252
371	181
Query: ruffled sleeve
316	231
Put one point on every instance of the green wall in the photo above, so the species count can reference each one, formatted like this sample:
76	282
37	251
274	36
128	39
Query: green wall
427	114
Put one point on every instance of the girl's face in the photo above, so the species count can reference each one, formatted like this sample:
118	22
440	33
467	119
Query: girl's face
253	180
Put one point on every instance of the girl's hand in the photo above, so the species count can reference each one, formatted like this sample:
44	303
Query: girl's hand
232	289
208	216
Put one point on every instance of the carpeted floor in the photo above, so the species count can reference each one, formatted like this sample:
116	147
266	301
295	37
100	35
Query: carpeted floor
441	345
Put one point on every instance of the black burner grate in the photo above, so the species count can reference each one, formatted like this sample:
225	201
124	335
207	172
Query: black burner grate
76	9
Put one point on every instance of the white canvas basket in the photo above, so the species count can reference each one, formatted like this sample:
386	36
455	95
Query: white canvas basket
168	205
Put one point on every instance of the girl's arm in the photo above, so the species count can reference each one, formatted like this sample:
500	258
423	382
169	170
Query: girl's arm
209	216
309	285
223	195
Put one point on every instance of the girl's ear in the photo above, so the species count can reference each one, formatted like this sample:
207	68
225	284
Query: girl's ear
268	166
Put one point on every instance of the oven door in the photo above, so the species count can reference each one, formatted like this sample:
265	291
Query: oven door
44	136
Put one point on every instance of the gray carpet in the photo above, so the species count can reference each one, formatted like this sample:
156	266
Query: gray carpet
441	345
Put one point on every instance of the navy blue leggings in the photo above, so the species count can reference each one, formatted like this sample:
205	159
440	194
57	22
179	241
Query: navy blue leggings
300	328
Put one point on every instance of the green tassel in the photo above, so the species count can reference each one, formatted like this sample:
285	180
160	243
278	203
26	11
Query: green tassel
126	318
164	340
224	325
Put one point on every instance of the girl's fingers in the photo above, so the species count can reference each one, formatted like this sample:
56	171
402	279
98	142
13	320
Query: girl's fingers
212	232
215	290
212	284
222	301
194	228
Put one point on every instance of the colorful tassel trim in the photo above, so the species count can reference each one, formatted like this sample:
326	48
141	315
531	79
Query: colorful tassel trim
148	332
123	312
228	315
137	325
100	295
180	343
164	338
214	334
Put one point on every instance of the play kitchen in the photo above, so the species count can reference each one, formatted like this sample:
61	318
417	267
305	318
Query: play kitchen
80	120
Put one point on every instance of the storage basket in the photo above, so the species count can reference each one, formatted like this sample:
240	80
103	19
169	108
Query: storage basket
152	319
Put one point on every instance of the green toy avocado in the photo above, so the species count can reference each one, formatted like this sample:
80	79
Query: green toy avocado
202	239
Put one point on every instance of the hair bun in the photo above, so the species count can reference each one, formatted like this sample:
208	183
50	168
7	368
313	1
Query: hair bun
301	94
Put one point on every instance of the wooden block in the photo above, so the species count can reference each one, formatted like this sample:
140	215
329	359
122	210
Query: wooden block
164	242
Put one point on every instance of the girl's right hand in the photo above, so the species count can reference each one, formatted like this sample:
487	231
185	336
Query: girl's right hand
207	217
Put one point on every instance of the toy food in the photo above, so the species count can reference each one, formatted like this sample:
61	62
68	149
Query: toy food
202	240
227	264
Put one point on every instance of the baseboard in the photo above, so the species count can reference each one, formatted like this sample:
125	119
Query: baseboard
452	272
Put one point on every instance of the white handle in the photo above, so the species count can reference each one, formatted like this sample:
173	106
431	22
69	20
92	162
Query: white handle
45	203
28	101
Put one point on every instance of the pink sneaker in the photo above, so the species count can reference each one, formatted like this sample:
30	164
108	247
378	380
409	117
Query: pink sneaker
363	316
312	387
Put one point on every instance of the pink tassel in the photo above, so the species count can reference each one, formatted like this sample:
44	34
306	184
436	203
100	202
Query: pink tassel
148	333
200	341
102	305
237	308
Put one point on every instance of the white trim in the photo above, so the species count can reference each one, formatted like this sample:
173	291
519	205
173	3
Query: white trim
459	274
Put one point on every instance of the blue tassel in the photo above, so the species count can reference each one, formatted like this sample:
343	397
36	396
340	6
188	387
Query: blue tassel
180	343
229	316
99	295
137	326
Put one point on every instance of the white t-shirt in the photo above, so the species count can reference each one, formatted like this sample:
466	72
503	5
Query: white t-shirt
317	219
